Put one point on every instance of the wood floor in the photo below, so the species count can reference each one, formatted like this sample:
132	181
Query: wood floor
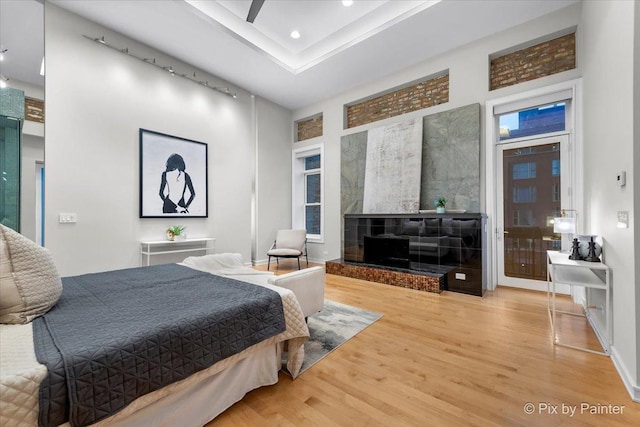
446	360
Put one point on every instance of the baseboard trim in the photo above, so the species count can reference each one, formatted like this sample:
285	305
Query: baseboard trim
632	388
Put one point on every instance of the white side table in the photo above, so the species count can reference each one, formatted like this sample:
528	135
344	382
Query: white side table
164	247
590	275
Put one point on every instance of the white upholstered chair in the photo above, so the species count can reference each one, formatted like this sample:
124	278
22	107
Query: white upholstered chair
289	244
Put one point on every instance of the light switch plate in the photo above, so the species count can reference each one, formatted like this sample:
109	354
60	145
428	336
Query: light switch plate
68	218
623	219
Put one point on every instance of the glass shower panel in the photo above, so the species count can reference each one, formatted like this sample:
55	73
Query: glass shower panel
10	135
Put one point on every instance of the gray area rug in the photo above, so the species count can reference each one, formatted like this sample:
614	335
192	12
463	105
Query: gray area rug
330	328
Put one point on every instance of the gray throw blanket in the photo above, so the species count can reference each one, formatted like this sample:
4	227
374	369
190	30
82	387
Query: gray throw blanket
118	335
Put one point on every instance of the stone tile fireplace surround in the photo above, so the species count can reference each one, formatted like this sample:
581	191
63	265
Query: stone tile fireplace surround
427	252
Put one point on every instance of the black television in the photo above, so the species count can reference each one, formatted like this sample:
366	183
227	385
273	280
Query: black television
390	251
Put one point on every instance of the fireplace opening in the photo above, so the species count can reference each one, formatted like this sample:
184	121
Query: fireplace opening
390	251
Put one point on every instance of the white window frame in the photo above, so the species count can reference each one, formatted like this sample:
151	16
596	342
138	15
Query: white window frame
298	190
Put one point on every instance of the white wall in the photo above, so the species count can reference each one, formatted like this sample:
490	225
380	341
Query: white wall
97	99
273	185
468	83
608	69
32	152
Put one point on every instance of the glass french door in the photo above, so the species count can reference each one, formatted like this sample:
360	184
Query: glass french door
531	193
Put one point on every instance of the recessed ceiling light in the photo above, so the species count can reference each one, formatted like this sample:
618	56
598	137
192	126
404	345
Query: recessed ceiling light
347	3
295	34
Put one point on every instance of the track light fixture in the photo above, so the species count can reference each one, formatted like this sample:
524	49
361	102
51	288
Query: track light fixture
2	52
152	61
3	81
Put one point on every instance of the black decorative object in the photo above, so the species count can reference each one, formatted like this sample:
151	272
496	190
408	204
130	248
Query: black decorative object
591	256
575	250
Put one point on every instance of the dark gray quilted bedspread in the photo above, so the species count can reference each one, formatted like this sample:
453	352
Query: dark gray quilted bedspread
118	335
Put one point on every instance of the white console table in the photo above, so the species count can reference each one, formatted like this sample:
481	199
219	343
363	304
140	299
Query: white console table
165	247
590	275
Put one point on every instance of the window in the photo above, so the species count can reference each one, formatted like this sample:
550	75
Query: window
524	170
312	191
524	194
555	167
516	217
308	191
534	121
522	218
555	193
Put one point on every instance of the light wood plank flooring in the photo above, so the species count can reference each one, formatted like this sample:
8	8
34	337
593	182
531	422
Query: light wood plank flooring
446	360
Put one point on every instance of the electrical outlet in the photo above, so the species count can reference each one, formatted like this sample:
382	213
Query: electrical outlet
461	276
68	218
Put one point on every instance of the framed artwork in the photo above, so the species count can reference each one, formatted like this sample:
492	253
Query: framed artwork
173	177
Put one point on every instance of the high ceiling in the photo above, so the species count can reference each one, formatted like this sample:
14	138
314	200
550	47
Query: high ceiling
339	47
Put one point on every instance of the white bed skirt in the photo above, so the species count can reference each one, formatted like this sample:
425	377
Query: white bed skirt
202	399
198	399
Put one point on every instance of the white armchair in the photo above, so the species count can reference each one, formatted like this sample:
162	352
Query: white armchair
289	244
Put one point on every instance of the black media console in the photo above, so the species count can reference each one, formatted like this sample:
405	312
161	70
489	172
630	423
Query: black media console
450	244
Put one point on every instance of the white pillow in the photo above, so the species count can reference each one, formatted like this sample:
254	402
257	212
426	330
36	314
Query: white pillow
29	281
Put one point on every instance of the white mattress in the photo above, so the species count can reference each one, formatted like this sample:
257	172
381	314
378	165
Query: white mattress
21	374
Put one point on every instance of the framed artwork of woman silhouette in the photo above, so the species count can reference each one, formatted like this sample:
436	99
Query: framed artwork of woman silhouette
173	176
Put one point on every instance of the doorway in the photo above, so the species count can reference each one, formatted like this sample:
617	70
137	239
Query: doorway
531	192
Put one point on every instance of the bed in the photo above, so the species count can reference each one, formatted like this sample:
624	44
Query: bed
190	397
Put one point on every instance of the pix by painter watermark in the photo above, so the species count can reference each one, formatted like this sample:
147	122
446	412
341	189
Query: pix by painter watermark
569	410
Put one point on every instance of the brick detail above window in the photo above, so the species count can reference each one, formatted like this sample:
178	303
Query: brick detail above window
34	110
427	93
543	59
309	128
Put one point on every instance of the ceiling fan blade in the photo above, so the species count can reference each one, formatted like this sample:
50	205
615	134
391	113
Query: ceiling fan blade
254	9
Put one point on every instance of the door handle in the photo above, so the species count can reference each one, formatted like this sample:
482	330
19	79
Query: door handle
505	232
